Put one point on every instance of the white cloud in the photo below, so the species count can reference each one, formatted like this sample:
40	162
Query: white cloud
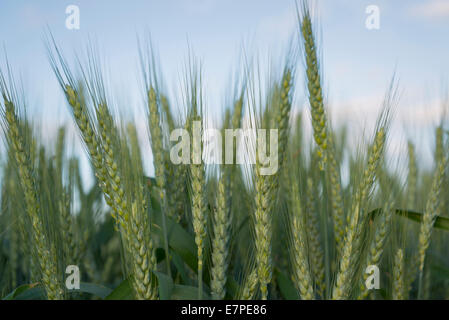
431	9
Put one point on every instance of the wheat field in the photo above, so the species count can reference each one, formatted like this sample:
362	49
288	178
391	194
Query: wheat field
217	231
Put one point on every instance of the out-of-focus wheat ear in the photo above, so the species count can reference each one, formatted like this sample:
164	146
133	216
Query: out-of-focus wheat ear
430	215
167	112
221	238
14	248
46	251
412	179
136	154
67	227
171	175
319	121
377	245
439	144
427	286
348	267
237	113
12	214
301	271
398	276
59	155
335	187
439	155
178	191
157	147
314	241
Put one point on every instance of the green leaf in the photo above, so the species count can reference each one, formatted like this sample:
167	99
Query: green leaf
124	291
181	292
180	266
179	239
19	290
232	288
165	285
167	290
29	292
440	222
286	286
95	289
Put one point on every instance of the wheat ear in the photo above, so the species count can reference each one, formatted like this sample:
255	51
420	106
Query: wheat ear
347	267
46	252
220	242
398	275
301	271
314	241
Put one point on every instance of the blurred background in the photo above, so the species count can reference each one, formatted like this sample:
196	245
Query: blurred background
357	63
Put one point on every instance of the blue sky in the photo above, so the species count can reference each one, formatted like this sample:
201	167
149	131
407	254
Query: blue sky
357	63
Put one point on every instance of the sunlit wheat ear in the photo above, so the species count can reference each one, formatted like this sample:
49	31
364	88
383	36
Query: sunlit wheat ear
93	144
114	180
314	86
325	148
136	230
301	269
398	275
221	238
46	253
93	140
